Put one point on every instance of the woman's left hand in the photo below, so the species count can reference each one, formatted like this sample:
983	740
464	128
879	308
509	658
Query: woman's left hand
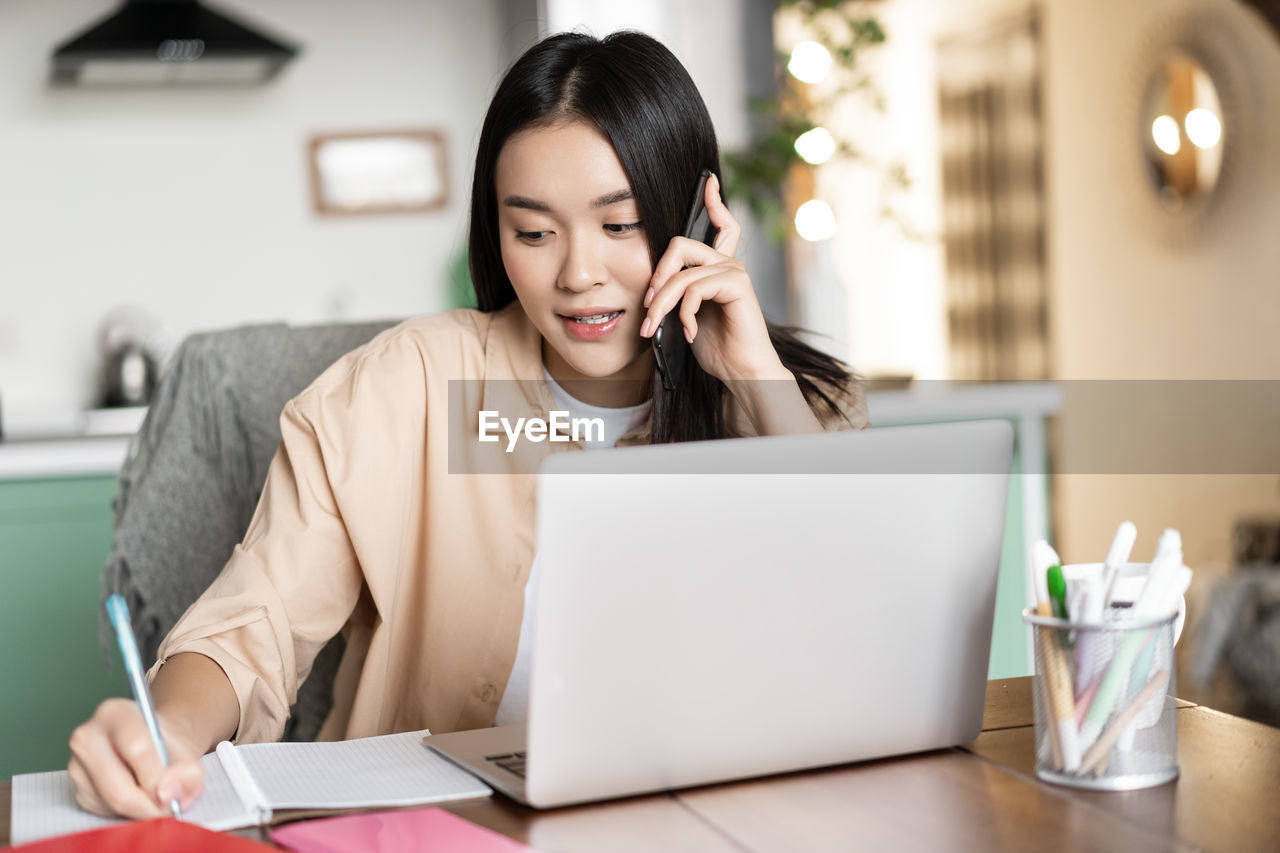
721	317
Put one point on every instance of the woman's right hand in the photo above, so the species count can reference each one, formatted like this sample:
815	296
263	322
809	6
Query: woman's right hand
116	770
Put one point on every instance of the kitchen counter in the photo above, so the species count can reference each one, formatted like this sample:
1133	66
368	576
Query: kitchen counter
71	457
928	401
82	445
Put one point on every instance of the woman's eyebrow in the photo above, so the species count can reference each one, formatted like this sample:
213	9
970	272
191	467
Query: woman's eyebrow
533	204
613	198
526	203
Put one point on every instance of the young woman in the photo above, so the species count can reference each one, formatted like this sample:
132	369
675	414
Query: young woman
370	522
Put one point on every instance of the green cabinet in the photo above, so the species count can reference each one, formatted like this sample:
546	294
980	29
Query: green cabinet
55	534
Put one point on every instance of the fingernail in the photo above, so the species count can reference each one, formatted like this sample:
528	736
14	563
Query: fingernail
167	792
688	335
644	329
648	297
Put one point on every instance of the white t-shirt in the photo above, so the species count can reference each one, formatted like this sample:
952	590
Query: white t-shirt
514	707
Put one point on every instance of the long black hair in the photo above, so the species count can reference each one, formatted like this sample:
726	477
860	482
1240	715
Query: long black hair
636	93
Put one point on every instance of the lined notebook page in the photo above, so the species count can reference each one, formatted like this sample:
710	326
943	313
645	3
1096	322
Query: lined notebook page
44	805
391	770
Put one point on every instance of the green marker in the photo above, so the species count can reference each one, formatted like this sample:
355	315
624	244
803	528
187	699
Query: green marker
1058	592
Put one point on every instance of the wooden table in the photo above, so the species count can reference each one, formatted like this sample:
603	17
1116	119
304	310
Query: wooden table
983	796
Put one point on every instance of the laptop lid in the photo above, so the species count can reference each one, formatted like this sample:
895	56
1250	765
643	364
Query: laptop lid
719	610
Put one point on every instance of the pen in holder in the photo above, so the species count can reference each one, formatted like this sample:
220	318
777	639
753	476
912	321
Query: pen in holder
1105	713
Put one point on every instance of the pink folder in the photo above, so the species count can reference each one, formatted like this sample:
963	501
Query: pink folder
428	830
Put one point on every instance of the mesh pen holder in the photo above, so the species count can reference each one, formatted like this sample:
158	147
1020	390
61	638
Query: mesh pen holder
1105	713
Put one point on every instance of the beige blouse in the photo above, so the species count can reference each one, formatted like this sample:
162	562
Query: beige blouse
383	517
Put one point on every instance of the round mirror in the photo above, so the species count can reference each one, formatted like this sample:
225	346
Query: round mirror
1182	132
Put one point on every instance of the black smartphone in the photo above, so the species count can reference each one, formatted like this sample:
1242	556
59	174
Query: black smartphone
670	348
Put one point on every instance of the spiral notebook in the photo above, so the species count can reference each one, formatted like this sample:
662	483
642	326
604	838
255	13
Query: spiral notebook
247	785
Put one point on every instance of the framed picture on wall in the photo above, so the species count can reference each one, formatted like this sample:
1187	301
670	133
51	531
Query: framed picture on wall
376	172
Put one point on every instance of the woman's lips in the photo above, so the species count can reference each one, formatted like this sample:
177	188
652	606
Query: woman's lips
592	331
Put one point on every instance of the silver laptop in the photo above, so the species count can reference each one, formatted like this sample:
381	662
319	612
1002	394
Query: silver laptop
721	610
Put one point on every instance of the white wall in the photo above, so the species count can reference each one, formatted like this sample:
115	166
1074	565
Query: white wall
194	204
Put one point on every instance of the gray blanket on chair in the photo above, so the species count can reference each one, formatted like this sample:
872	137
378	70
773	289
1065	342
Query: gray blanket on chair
195	472
1241	630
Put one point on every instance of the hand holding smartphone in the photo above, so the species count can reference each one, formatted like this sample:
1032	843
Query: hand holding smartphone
670	348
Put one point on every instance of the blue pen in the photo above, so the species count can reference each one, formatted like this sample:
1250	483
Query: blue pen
118	612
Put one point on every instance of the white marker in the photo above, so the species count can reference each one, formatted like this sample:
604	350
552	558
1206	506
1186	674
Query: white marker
1117	556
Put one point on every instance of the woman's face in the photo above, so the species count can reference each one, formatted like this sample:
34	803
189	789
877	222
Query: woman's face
576	253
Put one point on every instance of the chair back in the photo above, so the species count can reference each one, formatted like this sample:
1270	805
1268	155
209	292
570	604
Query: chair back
196	469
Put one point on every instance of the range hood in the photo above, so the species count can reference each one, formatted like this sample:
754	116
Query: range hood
166	42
